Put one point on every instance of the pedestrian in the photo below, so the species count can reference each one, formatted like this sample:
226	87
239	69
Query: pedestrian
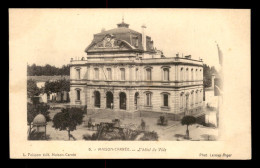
142	124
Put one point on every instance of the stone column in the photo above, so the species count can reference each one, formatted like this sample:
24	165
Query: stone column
116	100
102	98
130	73
131	103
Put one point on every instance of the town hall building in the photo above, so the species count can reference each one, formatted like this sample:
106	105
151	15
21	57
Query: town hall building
124	72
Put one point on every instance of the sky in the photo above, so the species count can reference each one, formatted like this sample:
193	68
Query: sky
54	36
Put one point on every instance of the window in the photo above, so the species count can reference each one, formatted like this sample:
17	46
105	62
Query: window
148	99
192	98
109	74
122	100
181	74
96	73
136	74
136	100
136	43
182	100
78	94
165	100
166	74
196	98
148	74
97	99
196	74
187	74
78	73
192	74
122	73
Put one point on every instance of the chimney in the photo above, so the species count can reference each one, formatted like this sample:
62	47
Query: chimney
144	37
188	56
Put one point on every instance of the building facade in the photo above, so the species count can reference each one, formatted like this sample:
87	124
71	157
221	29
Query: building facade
124	72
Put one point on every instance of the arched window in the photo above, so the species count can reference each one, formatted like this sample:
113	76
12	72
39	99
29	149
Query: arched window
122	70
182	100
97	99
192	74
192	98
187	99
78	94
181	74
136	100
166	74
196	97
187	74
110	100
122	99
196	74
148	97
136	74
96	73
148	74
200	75
109	73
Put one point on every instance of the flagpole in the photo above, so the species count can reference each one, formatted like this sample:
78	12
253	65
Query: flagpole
220	94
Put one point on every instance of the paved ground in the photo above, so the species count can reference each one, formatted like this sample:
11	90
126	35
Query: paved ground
173	132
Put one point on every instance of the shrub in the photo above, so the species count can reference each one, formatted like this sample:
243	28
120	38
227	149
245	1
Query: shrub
208	124
87	136
150	136
129	134
38	136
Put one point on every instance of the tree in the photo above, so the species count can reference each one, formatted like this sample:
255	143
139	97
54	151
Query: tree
188	120
68	119
34	109
32	89
57	86
207	75
47	70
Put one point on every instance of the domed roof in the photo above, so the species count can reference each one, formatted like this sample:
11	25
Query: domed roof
123	33
39	120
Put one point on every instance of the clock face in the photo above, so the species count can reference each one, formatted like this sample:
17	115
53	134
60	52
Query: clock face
108	39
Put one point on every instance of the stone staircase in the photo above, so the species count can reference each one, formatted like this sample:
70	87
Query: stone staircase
108	114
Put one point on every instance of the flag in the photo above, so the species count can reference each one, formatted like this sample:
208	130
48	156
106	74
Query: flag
220	55
217	87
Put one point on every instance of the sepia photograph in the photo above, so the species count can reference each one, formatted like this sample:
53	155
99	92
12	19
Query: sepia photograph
125	77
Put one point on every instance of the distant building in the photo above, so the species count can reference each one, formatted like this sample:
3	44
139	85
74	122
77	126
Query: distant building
124	72
53	97
40	84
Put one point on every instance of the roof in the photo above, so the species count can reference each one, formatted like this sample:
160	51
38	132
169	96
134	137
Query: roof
119	30
124	33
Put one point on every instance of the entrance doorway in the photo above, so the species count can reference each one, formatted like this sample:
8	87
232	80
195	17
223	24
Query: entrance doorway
97	99
110	100
122	98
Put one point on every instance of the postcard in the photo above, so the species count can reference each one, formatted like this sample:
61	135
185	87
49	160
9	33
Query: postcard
130	83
